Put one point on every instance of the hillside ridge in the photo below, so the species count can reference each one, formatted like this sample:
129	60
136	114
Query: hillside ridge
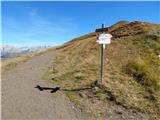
131	69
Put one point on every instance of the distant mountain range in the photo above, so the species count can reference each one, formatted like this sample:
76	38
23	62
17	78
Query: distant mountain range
9	51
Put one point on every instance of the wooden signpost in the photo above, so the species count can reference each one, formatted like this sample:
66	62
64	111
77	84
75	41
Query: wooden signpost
103	39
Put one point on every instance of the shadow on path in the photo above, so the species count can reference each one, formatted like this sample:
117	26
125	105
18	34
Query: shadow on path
55	89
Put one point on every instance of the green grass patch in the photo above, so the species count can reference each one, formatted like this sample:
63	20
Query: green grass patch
75	99
10	66
48	75
101	95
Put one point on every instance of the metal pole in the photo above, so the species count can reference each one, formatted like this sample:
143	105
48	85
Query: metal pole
102	59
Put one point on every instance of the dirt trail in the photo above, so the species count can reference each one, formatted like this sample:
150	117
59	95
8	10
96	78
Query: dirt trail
21	101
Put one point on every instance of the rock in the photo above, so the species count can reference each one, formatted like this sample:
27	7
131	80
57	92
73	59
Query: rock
132	117
96	88
73	107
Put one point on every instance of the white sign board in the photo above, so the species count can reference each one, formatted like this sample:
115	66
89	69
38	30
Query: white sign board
104	39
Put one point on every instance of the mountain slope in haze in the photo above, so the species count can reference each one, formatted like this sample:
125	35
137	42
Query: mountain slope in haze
132	71
8	51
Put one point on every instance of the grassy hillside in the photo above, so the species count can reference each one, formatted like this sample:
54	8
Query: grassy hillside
132	69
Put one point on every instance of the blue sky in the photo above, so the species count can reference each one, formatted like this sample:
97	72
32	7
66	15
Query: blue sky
52	23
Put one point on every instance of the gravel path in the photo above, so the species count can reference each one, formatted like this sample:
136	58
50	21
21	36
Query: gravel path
21	101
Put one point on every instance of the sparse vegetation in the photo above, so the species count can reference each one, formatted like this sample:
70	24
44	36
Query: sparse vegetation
72	96
48	75
119	24
13	62
11	65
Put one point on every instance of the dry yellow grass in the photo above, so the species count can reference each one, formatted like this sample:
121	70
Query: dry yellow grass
78	64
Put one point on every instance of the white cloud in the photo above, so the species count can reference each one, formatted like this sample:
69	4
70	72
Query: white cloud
38	30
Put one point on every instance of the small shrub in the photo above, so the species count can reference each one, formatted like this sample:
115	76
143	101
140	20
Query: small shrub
143	73
137	70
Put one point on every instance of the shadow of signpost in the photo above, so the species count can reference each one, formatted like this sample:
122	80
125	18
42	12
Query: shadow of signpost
55	89
52	90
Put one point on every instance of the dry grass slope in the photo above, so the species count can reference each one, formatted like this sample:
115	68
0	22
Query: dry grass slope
132	68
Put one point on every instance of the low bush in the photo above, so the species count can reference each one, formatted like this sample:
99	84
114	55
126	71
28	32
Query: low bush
143	73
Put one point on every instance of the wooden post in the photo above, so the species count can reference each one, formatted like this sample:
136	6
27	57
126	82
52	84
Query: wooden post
102	60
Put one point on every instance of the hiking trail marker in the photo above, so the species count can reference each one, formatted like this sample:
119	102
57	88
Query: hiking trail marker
103	39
